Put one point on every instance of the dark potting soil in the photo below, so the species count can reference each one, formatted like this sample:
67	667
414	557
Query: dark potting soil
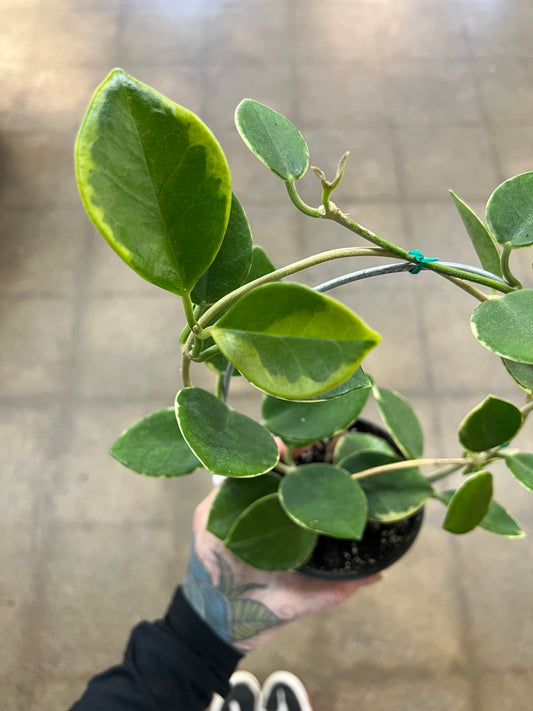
382	543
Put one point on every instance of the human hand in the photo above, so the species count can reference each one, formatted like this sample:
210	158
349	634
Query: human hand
246	606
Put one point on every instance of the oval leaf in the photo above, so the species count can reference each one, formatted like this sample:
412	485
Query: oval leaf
470	504
482	240
260	266
391	495
291	341
492	423
356	381
504	325
273	139
522	374
154	181
309	421
225	441
401	421
155	446
353	442
510	211
232	263
521	466
325	499
497	520
234	497
266	538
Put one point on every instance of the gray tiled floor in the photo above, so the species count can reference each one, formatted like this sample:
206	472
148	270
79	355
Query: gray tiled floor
427	95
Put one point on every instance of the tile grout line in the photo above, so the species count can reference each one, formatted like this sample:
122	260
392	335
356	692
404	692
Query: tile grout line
428	372
44	524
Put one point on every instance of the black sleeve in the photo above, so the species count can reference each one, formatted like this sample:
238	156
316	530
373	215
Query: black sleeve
173	664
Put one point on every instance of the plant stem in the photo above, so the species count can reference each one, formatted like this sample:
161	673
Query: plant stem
186	371
299	203
526	409
465	286
282	468
409	464
506	270
337	216
444	472
207	354
278	274
189	310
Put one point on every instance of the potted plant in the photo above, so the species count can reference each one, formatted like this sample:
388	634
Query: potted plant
156	184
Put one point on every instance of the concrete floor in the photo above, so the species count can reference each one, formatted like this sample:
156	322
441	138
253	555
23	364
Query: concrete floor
427	95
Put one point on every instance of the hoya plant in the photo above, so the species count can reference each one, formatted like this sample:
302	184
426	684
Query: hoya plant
156	184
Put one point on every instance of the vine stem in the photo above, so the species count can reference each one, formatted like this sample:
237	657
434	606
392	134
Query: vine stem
337	216
506	269
189	310
278	274
409	464
443	472
465	286
526	409
186	371
332	212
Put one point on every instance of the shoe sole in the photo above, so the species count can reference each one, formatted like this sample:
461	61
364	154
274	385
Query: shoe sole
244	679
283	691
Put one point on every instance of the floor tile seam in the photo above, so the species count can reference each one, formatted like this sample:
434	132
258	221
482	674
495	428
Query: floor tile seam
87	525
292	58
401	179
476	79
59	441
466	625
388	199
45	399
385	121
371	674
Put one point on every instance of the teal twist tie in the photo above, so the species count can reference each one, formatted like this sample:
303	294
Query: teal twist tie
420	260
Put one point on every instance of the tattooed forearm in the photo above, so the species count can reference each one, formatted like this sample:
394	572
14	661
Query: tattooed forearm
229	609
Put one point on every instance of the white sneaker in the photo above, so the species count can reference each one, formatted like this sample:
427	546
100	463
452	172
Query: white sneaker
244	694
283	691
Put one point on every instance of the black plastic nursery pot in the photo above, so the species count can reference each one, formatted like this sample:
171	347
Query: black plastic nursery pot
382	543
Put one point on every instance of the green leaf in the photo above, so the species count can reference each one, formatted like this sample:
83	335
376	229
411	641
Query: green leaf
266	538
234	497
482	240
521	466
497	520
260	266
232	263
225	441
353	442
492	423
155	446
401	421
470	504
504	325
522	374
510	211
309	421
325	499
356	381
154	181
291	341
391	495
273	139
